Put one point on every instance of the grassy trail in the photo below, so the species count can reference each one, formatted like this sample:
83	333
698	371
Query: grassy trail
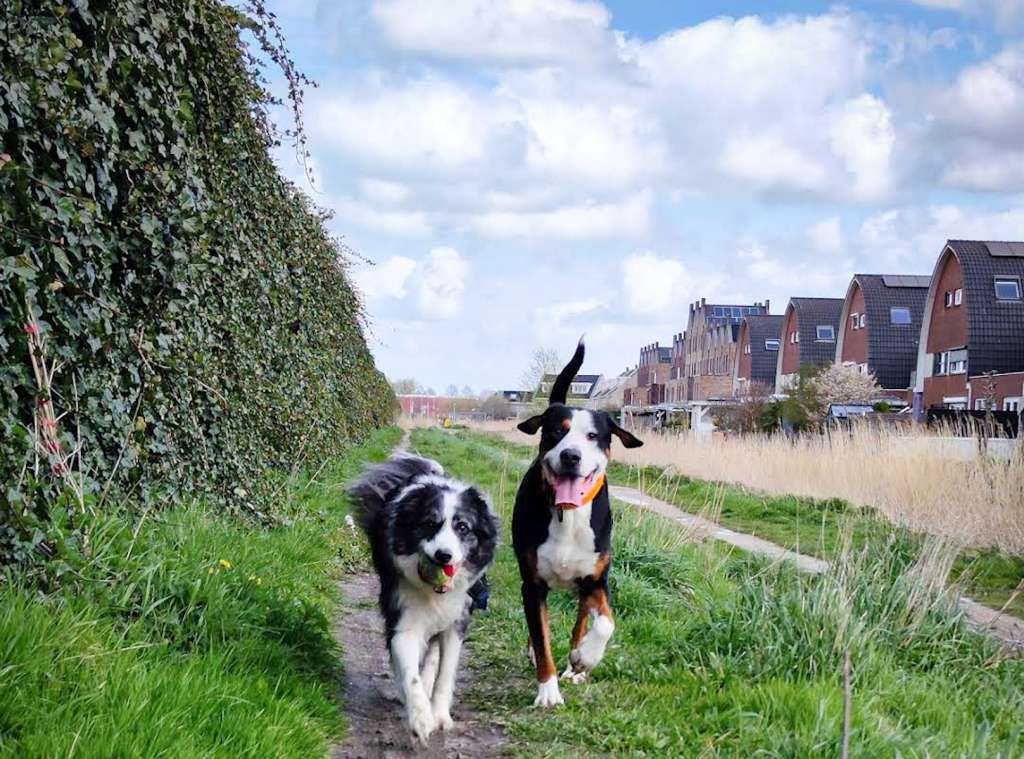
187	633
720	654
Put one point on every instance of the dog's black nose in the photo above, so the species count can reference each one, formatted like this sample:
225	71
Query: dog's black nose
570	457
442	556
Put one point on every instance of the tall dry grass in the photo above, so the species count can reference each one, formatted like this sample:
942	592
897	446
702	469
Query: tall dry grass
911	477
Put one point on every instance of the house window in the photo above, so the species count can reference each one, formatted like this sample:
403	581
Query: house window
1012	404
855	321
958	296
949	299
899	315
719	311
826	333
862	368
771	345
746	349
863	321
1008	288
980	404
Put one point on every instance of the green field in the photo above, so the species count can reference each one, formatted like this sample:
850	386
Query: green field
720	654
815	527
187	633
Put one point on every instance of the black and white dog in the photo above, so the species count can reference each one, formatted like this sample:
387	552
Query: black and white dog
432	538
562	529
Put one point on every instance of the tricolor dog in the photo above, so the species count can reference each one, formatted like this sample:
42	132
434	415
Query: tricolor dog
562	528
432	538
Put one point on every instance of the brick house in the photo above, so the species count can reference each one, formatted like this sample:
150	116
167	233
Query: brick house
973	325
710	348
677	371
880	327
652	376
757	353
809	329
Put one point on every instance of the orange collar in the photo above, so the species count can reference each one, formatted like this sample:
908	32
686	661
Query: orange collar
590	496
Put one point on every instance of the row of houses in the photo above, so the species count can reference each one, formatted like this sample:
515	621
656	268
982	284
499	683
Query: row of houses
953	339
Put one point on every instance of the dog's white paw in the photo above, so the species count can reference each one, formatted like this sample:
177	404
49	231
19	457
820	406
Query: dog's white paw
443	720
573	676
421	722
548	694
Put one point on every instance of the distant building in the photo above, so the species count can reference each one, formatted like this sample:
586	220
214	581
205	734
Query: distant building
710	349
581	388
431	406
757	353
610	393
517	396
881	328
677	371
809	330
652	374
972	335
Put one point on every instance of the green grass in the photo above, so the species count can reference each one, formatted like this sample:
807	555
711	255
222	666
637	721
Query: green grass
152	646
721	654
805	525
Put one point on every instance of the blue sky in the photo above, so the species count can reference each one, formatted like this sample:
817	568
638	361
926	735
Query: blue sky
516	173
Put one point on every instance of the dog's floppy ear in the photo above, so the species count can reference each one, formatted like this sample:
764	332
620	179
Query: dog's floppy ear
629	440
531	425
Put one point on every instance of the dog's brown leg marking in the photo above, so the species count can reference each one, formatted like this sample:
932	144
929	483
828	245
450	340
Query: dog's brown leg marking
535	605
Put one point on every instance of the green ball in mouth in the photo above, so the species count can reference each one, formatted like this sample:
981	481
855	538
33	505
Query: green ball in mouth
439	577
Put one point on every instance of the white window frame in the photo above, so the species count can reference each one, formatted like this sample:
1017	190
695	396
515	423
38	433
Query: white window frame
1015	281
979	404
958	296
817	333
855	320
863	321
949	298
778	344
1013	404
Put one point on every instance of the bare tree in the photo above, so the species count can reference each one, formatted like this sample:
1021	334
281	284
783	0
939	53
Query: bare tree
496	407
542	361
405	386
467	391
452	390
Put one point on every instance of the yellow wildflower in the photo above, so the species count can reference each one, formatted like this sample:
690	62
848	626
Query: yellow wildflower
225	564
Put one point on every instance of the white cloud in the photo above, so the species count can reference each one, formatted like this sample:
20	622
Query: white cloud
589	221
400	223
1007	13
826	236
769	163
512	31
653	284
863	136
441	282
382	191
385	280
762	268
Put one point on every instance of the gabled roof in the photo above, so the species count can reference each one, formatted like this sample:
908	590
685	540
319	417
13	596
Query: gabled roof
892	348
995	329
811	312
763	362
544	390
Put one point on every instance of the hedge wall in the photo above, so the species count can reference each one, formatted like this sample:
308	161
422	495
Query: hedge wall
204	324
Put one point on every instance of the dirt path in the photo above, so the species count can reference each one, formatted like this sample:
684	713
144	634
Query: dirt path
376	725
376	721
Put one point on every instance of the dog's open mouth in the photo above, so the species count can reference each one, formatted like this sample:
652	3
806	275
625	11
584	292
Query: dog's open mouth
440	577
572	492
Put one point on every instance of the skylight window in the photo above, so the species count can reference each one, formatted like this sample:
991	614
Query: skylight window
1007	288
899	315
826	333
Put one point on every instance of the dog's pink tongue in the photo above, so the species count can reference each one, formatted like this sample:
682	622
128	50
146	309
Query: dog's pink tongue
569	491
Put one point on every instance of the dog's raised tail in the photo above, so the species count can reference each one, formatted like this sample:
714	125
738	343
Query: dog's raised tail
382	482
560	390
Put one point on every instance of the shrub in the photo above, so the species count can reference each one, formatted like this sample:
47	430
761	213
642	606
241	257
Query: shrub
199	311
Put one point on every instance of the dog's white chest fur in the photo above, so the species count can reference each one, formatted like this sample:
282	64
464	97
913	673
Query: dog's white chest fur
568	554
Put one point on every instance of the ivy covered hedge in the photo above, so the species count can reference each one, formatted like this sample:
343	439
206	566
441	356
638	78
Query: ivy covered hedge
202	323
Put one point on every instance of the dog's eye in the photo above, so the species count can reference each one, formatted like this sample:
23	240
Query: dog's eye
461	528
591	436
